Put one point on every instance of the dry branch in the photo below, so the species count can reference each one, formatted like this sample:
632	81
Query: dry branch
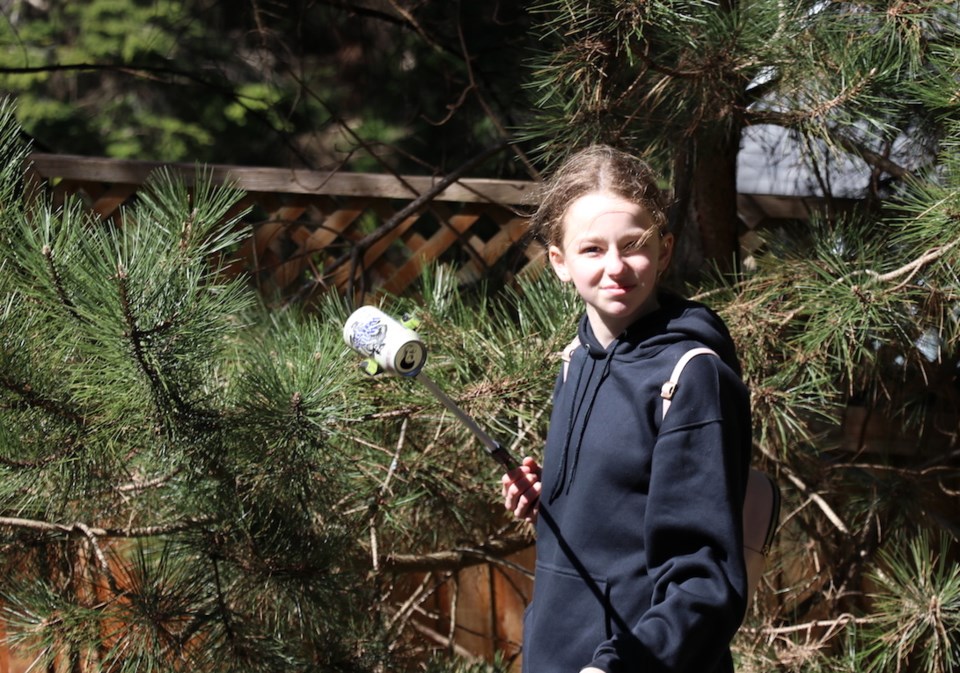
455	559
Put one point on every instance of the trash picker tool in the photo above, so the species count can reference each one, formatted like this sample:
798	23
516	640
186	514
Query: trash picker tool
393	347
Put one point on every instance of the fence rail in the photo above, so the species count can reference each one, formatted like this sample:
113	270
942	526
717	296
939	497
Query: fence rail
318	230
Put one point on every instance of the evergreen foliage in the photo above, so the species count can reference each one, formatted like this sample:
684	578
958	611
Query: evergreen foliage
322	85
867	324
191	482
857	332
654	75
918	610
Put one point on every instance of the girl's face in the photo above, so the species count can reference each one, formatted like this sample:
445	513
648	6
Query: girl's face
613	255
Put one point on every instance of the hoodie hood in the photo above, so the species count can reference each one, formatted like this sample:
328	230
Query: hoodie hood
675	321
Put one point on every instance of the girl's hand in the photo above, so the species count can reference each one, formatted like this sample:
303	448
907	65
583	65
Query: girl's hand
521	490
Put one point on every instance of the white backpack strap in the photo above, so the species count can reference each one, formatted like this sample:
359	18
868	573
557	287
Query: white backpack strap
668	389
567	354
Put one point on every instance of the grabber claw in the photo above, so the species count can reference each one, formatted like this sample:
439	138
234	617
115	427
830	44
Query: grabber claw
370	367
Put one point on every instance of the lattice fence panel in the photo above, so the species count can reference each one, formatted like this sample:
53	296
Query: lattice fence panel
314	232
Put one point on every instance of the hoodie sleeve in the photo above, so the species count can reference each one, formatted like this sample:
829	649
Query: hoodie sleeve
692	529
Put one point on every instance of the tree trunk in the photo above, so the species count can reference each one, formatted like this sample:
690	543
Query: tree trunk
705	221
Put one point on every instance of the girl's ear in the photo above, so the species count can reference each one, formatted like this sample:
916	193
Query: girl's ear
558	262
666	253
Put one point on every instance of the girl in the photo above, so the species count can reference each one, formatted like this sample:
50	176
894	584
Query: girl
639	535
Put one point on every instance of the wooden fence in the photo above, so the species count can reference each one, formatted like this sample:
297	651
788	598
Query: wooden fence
317	230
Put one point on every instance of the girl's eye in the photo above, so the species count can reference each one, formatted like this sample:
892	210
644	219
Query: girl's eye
590	250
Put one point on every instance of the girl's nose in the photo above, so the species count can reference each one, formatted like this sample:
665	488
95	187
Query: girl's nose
614	262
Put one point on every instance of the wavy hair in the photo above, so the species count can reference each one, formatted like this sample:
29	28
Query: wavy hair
597	168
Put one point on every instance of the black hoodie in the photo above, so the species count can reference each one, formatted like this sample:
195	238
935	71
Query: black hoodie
639	542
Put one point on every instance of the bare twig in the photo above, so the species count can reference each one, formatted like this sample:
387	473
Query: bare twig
416	596
454	598
137	485
72	528
459	650
456	559
414	24
418	203
832	624
494	119
814	497
384	487
98	553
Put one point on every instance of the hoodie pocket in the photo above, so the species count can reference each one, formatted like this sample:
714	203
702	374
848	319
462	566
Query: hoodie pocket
566	621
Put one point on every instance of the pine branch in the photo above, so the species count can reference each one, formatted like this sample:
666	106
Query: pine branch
58	283
805	489
871	158
136	485
834	626
223	611
445	641
136	338
911	269
797	118
493	551
95	531
34	399
916	265
91	537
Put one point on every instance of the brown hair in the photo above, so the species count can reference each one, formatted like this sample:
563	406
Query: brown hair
597	168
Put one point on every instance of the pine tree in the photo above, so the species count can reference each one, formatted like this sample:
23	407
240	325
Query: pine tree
189	481
163	504
845	324
683	83
859	333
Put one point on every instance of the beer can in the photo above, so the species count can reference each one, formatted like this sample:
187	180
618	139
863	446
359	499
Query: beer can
395	348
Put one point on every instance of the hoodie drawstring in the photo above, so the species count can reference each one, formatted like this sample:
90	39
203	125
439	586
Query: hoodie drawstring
562	484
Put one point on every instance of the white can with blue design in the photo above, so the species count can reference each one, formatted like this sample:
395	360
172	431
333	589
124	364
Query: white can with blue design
396	349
